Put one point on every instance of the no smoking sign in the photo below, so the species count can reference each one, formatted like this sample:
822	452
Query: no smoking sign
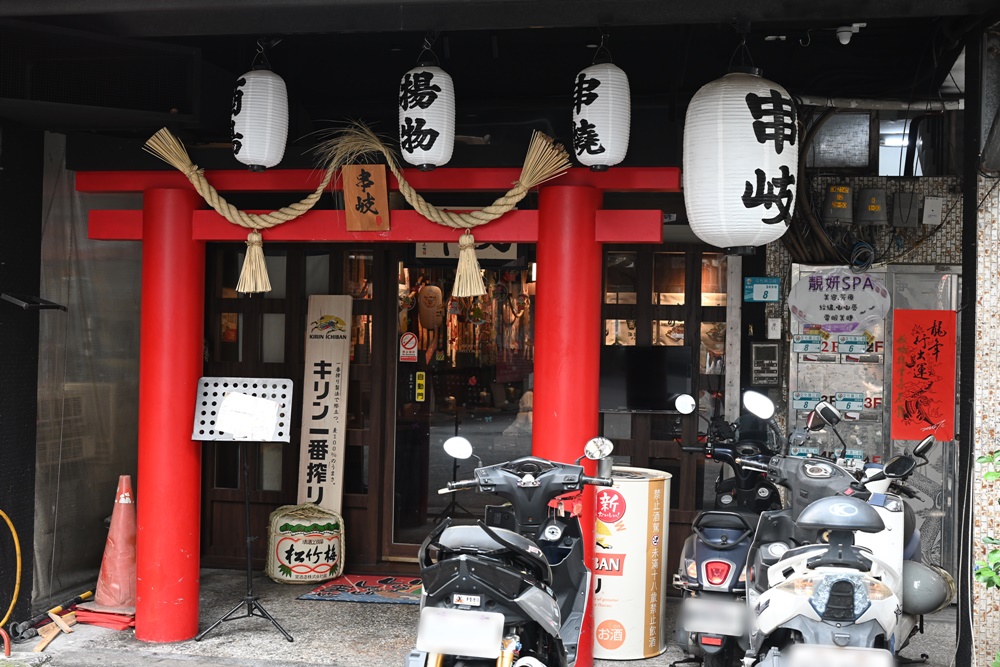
408	347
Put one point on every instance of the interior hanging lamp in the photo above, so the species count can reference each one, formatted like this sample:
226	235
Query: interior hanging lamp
740	161
602	112
426	113
260	116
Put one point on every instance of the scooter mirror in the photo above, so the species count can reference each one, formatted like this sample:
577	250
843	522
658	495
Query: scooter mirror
685	404
924	447
899	466
828	413
814	422
458	447
760	405
598	448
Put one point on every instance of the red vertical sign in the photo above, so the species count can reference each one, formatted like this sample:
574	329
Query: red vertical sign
923	374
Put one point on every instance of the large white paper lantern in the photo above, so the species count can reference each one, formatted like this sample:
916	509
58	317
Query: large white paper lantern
426	116
741	152
260	119
602	113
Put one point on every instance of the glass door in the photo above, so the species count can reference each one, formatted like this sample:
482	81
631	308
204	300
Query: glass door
469	375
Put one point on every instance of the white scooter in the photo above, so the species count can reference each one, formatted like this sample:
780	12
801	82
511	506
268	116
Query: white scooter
827	581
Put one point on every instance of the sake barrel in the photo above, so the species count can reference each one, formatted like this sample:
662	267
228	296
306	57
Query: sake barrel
305	544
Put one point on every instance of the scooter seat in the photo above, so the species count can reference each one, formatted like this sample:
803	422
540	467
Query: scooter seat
473	537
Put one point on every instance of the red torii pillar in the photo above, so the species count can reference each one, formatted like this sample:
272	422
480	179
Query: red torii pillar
569	228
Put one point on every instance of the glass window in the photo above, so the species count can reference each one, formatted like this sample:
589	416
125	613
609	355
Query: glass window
361	339
712	355
359	275
273	338
668	278
269	466
276	265
317	274
619	277
713	279
227	465
668	332
619	332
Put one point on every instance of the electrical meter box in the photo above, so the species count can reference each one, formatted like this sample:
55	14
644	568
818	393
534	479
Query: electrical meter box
766	365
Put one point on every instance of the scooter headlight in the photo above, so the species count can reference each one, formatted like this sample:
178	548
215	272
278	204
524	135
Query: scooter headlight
804	586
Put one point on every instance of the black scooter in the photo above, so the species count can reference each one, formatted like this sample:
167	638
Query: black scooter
712	623
510	590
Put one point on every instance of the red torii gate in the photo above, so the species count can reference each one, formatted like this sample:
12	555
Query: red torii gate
569	228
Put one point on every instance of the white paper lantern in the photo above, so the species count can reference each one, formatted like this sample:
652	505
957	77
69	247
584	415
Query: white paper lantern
426	117
601	116
260	119
741	152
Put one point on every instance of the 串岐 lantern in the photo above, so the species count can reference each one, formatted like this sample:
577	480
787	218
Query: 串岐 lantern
740	162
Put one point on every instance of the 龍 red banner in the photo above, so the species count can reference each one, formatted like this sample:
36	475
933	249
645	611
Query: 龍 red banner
923	374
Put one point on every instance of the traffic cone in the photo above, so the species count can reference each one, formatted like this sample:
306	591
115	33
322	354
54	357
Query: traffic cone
116	583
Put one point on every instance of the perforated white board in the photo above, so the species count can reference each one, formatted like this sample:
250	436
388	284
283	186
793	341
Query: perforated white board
265	422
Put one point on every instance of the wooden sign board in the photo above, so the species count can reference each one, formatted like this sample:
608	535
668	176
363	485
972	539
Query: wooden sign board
366	197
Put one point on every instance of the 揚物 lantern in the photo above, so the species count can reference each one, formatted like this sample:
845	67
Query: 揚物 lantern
426	116
740	162
601	116
260	119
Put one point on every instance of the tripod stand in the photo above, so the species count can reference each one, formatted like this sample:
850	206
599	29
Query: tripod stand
453	505
253	606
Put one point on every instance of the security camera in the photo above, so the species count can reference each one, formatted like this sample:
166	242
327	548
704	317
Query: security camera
845	32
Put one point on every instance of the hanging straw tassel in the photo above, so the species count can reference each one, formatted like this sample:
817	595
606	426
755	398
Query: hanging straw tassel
468	279
253	277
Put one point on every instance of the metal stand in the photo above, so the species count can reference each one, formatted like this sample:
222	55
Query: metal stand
253	606
453	505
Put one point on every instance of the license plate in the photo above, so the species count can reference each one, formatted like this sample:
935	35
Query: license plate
467	600
716	617
476	634
811	655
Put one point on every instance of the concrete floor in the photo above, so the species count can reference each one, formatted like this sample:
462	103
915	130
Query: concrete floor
338	634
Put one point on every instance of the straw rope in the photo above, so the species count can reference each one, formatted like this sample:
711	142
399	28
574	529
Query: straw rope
544	160
168	148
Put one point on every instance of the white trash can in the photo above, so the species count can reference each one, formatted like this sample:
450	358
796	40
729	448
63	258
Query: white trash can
633	518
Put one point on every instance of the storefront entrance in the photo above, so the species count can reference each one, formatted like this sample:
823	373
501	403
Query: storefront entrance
471	376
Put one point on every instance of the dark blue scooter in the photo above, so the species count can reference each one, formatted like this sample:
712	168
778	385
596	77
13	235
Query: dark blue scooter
711	625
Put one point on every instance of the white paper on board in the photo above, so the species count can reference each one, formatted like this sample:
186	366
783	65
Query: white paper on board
247	417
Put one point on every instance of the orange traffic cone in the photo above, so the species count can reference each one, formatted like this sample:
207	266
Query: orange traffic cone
116	583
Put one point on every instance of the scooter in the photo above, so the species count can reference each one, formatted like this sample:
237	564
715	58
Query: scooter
711	625
827	582
510	590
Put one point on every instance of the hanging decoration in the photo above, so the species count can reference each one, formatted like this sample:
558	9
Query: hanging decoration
740	161
601	112
544	160
260	116
427	113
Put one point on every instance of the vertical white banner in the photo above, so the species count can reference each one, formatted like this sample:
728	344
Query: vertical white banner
324	401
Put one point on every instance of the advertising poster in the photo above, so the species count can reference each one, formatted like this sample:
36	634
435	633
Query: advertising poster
324	401
923	374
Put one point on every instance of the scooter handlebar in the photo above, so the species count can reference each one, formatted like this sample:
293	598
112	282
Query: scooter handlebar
597	481
693	450
459	485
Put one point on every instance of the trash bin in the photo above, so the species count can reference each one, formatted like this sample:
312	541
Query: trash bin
630	565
